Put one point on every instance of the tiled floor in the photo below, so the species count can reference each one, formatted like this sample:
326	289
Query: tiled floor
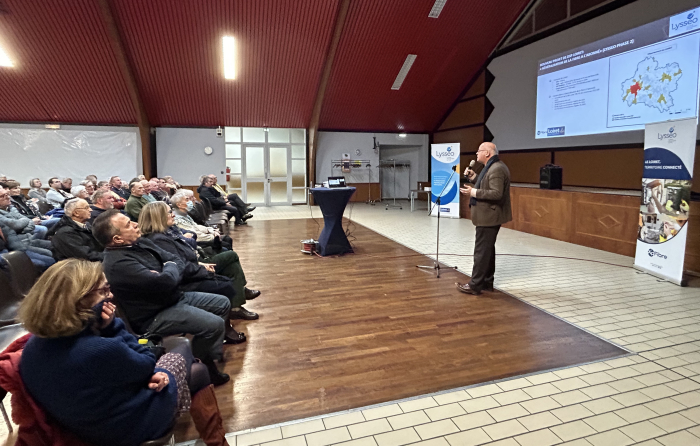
651	397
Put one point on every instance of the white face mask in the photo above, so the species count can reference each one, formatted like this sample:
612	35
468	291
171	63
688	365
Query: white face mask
190	205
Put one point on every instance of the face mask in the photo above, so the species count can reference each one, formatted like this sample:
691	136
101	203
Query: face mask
190	205
97	310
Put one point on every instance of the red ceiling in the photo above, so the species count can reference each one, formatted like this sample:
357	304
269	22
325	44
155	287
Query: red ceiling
378	37
66	70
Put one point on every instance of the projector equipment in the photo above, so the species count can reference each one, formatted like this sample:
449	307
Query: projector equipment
309	246
550	176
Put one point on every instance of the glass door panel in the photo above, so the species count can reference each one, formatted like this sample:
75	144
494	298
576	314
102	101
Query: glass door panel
279	157
255	174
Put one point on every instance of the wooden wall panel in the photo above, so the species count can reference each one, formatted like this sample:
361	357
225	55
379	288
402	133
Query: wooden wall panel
605	168
469	139
606	222
465	113
543	213
361	194
692	244
525	166
477	88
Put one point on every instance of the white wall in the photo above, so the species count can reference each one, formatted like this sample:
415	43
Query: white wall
514	90
30	150
332	145
180	153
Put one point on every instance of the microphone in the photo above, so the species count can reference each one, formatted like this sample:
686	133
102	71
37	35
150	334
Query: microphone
471	164
454	168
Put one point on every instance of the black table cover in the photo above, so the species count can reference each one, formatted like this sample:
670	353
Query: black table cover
332	203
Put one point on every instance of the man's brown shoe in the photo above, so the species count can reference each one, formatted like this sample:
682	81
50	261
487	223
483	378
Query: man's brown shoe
465	288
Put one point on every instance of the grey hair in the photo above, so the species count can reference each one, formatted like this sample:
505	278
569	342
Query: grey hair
187	192
75	190
178	197
71	205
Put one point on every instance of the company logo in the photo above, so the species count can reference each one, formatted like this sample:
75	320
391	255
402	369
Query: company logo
682	23
671	135
556	131
444	209
653	253
447	153
541	132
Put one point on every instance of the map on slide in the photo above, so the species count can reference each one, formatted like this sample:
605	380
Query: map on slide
652	85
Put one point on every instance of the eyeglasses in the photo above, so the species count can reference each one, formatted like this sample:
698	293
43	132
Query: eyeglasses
102	291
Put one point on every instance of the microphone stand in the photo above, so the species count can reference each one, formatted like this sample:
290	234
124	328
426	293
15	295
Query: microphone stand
436	264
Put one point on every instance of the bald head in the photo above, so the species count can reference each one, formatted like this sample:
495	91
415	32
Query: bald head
486	151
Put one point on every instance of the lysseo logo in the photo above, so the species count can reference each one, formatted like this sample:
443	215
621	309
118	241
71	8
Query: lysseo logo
556	131
653	253
683	23
447	153
671	135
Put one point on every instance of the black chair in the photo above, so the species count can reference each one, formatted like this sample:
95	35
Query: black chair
9	300
22	271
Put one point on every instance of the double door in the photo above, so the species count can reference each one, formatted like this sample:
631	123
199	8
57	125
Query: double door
267	180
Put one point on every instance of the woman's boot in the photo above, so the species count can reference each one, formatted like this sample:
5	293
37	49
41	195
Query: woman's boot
207	418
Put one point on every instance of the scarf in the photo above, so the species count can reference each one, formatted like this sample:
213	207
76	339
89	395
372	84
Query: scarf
489	163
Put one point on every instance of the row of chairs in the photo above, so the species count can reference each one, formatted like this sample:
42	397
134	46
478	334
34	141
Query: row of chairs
15	281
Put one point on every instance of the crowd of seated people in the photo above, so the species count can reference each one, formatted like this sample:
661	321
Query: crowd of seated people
169	274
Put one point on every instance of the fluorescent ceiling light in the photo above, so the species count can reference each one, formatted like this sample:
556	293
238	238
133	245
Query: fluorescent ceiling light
437	8
5	60
53	126
229	57
403	71
402	135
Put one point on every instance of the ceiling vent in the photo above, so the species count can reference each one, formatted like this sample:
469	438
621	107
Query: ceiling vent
437	9
403	72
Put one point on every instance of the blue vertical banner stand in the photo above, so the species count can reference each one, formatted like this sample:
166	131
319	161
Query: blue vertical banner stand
669	152
445	157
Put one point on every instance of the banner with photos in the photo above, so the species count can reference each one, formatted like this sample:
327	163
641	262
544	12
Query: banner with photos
445	179
669	152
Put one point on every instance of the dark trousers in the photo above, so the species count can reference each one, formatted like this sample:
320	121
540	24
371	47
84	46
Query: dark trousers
484	257
235	201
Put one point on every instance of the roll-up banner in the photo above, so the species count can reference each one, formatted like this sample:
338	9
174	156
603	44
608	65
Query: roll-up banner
445	179
669	152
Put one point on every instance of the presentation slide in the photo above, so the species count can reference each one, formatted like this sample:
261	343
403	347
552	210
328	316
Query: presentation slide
647	74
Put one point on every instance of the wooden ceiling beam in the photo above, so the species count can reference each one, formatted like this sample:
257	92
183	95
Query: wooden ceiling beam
326	74
110	24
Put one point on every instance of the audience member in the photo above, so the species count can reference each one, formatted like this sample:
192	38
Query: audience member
182	203
141	177
80	192
93	377
35	190
104	185
147	191
172	185
156	190
66	184
115	184
101	201
22	224
157	224
207	192
233	199
136	201
73	238
18	234
89	186
27	207
56	196
146	283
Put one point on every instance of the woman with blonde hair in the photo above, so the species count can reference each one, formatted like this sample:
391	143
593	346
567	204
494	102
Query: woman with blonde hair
157	223
94	378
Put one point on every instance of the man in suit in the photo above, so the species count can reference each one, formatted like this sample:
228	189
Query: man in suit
489	201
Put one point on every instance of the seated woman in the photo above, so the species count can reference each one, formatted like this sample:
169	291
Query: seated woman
92	376
182	203
27	206
80	192
35	190
156	223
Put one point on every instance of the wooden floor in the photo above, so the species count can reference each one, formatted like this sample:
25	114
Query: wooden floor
344	332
